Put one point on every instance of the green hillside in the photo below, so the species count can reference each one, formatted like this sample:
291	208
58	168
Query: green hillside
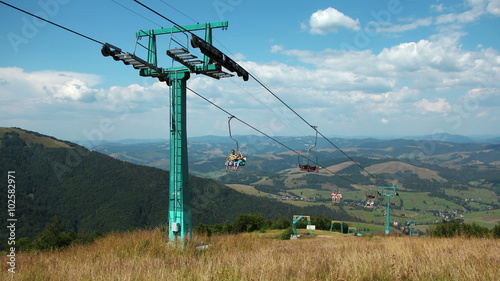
89	191
31	138
436	180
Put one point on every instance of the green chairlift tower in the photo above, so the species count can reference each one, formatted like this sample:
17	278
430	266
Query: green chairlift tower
388	192
298	218
339	222
411	225
179	210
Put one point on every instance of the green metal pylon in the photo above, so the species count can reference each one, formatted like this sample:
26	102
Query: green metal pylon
179	210
388	192
296	219
341	226
411	224
179	207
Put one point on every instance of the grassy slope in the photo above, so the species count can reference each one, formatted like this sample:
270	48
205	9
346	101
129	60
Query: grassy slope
396	166
31	138
143	255
484	218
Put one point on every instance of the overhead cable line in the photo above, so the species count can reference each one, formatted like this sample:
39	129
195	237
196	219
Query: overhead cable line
164	17
269	108
251	75
270	91
180	12
118	3
53	23
313	127
266	135
179	26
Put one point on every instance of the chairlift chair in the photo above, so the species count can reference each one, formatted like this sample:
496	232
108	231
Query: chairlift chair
244	160
307	167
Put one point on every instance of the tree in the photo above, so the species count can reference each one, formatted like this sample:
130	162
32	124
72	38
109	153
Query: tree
496	230
454	228
248	223
53	237
281	223
321	222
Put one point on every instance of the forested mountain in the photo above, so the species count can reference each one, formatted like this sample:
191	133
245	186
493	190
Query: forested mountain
89	191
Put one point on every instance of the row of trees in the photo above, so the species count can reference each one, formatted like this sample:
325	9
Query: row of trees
257	222
454	228
54	237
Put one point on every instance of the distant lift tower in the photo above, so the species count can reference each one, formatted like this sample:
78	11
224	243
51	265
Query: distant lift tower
388	192
179	210
298	218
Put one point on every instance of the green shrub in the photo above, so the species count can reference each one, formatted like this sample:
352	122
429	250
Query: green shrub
286	234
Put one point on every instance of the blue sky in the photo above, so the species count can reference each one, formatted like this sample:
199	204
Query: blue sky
353	68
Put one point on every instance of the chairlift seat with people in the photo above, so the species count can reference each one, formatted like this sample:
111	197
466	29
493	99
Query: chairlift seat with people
239	159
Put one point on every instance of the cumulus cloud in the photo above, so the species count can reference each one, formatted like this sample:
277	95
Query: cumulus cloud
438	63
438	8
45	84
57	91
494	7
477	9
72	90
330	20
480	97
444	21
439	105
276	48
335	88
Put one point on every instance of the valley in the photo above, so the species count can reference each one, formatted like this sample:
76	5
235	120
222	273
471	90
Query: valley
436	180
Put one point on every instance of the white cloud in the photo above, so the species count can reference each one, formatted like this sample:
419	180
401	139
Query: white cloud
439	64
482	114
333	88
276	48
45	84
480	97
238	56
413	56
406	27
72	90
478	8
438	8
446	22
330	20
494	7
439	105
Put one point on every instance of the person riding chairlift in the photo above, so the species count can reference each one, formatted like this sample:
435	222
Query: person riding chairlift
239	161
230	161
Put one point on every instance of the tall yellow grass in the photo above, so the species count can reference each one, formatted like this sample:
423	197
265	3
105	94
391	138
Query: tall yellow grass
144	255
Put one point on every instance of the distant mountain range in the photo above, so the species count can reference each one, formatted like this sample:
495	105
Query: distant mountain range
458	138
437	179
491	139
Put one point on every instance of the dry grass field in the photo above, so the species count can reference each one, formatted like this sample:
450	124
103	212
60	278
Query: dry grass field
144	255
